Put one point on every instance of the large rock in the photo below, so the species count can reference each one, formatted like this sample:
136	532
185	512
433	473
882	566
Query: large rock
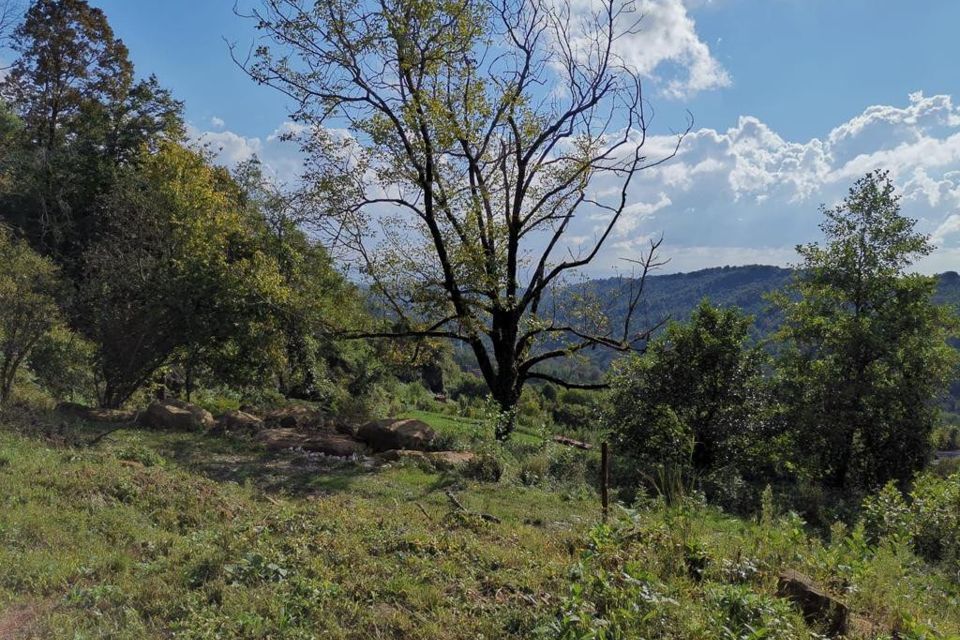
440	460
329	443
383	435
294	417
239	421
450	460
176	415
817	605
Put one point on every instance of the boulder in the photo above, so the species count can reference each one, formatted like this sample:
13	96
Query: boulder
239	421
294	417
440	460
329	443
817	605
396	455
176	415
383	435
450	460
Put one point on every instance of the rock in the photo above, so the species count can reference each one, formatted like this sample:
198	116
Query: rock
239	421
92	414
450	460
818	607
383	435
396	455
176	415
294	417
440	460
330	443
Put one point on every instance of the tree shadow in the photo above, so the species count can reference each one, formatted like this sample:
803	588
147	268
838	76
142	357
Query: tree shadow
288	472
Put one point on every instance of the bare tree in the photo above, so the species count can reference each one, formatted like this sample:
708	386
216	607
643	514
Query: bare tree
454	145
10	13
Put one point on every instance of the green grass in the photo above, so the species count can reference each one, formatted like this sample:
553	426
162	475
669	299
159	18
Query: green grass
464	430
149	534
158	535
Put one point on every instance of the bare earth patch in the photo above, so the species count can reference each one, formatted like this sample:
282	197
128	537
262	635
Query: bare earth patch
17	621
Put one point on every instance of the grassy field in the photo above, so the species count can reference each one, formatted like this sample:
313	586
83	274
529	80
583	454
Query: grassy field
148	534
159	535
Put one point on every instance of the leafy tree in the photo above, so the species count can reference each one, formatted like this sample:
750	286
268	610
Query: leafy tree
63	363
29	288
866	353
83	113
179	272
696	398
319	301
458	182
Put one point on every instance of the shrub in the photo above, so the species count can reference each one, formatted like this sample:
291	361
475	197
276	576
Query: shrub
928	518
63	364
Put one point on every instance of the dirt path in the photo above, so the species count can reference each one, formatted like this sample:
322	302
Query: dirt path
16	621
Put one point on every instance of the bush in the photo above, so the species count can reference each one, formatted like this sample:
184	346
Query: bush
928	518
63	364
946	438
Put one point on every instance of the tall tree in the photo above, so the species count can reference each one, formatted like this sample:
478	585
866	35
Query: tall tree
73	87
178	272
866	354
458	145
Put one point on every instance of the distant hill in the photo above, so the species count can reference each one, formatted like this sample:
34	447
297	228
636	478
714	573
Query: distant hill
674	296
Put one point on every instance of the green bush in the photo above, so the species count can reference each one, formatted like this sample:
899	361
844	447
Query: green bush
63	364
928	518
946	438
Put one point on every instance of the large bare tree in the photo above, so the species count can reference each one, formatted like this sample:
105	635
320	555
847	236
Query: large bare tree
456	146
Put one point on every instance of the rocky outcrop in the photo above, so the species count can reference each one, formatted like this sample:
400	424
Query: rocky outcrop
330	443
384	435
440	460
238	422
294	417
176	415
817	605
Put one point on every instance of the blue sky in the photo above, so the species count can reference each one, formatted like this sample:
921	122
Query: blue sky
791	98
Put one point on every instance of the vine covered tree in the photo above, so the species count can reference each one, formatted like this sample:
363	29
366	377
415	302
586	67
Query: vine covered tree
457	146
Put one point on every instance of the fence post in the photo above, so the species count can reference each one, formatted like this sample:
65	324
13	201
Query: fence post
604	478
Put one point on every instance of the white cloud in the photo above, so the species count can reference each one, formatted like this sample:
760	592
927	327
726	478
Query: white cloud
217	123
668	36
664	46
749	195
281	159
746	194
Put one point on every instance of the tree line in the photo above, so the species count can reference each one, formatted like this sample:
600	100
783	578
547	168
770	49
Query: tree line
128	254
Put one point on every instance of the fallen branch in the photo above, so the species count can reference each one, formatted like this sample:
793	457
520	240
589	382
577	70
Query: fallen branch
423	511
483	516
570	442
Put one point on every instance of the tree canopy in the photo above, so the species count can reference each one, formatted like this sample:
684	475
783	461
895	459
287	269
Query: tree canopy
453	175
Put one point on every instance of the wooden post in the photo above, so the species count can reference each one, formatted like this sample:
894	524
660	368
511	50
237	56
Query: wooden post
604	478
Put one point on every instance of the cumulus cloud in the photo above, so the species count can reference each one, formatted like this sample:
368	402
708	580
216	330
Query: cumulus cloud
281	158
748	195
217	123
745	194
663	46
